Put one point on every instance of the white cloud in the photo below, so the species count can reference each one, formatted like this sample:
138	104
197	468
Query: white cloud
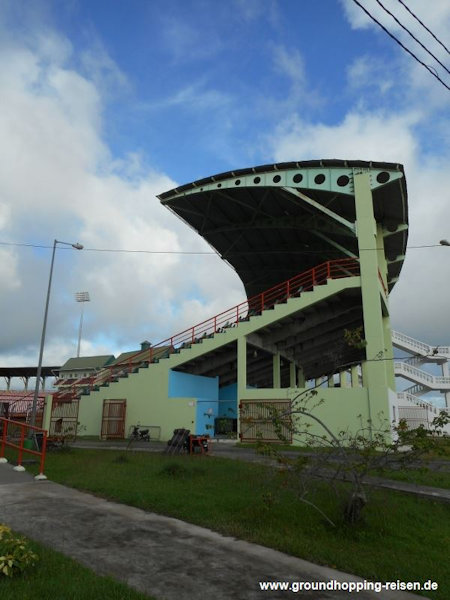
9	275
370	136
436	16
59	180
369	72
419	299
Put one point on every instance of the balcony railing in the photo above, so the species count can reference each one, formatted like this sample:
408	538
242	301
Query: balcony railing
280	293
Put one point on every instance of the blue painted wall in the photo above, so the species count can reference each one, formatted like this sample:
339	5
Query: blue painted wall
205	390
185	385
228	401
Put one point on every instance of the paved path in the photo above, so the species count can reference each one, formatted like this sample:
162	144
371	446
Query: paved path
157	555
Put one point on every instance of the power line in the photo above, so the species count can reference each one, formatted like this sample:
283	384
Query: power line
429	69
412	35
109	249
424	26
195	252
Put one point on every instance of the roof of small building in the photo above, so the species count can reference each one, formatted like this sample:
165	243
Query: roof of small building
87	362
138	355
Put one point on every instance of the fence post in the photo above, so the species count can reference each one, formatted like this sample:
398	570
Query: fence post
4	434
41	475
19	466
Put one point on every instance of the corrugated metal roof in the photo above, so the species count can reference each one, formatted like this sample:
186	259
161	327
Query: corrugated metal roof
87	362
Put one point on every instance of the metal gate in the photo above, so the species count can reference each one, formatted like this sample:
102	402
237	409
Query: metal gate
266	421
113	420
415	416
64	419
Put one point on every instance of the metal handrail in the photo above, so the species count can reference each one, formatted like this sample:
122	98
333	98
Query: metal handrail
24	428
332	269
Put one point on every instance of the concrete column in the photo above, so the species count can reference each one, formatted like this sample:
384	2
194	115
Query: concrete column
276	370
445	373
300	378
343	379
355	376
241	375
376	375
47	413
292	374
241	365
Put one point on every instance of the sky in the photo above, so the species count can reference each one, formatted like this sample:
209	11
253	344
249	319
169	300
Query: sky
104	104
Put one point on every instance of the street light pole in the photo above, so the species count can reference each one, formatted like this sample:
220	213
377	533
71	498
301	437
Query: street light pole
44	328
81	297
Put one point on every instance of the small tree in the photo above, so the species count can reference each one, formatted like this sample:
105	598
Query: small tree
345	456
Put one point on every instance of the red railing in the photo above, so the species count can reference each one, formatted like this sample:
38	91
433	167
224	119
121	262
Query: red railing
332	269
12	426
382	283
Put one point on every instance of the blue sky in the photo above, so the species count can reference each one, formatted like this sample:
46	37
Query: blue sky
105	103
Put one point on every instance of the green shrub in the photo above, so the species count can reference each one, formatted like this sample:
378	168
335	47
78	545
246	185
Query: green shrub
15	555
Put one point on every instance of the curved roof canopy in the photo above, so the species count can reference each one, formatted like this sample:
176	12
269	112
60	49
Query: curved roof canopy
272	222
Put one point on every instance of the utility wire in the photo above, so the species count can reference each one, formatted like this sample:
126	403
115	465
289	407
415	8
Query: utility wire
430	69
117	250
412	35
108	249
424	26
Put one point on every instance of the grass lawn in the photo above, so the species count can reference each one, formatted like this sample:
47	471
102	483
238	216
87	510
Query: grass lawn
439	479
402	537
56	577
431	477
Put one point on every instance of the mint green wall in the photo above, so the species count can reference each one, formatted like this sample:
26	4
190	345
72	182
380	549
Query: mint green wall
148	403
341	409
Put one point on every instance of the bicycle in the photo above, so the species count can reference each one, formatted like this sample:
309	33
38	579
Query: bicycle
138	435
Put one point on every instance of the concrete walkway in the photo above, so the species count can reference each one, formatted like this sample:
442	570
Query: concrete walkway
157	555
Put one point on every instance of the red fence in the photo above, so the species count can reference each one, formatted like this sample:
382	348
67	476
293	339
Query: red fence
332	269
14	435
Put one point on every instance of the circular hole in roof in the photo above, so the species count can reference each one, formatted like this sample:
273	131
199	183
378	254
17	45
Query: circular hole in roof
201	189
297	178
219	185
257	180
320	178
276	179
383	177
237	182
342	180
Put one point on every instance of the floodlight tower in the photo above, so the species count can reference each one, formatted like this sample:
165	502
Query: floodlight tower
81	297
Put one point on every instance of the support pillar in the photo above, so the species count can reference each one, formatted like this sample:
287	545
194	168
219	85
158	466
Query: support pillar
276	370
376	371
445	373
292	375
355	376
300	378
241	375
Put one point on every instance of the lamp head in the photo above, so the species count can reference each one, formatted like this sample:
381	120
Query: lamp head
444	243
78	246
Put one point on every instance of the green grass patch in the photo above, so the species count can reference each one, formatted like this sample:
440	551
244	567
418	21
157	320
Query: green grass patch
56	577
402	537
433	478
